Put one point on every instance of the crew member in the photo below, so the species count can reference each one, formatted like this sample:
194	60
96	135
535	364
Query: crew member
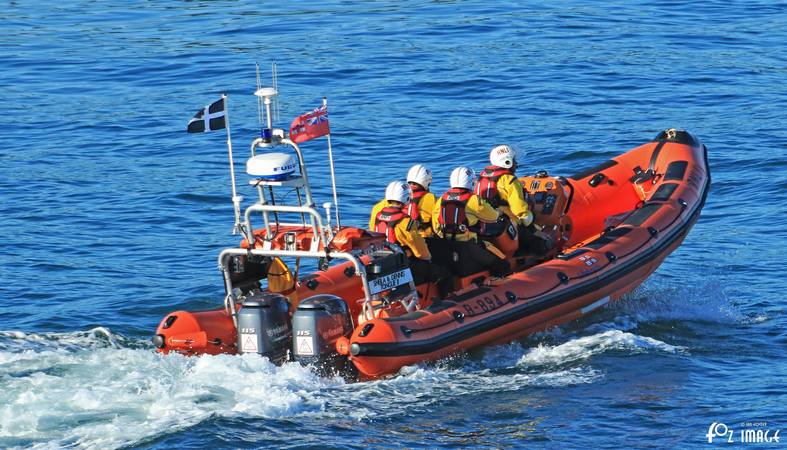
499	186
419	177
401	229
455	217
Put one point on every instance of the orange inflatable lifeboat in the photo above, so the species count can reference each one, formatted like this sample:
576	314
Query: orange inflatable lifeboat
619	220
359	311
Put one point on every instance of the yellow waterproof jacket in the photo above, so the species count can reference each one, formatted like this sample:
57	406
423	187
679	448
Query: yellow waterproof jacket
407	235
376	210
425	207
475	209
511	191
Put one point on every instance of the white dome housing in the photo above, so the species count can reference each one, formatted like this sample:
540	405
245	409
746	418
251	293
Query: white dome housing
271	166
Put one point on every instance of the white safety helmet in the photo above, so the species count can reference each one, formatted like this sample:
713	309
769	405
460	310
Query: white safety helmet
420	174
463	177
503	156
398	191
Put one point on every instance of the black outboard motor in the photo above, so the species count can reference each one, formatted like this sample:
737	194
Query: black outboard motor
316	325
264	326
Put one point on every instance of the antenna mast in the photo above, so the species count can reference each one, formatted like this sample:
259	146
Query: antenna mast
259	99
275	80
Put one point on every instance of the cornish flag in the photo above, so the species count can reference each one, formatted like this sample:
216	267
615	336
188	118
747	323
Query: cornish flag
310	125
209	118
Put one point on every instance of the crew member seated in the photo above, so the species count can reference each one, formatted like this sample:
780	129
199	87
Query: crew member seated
399	228
455	216
419	177
499	186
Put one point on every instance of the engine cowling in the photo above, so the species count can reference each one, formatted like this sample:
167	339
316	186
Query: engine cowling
264	326
317	324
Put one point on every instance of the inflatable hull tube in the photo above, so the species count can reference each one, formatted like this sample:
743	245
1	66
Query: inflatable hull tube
654	194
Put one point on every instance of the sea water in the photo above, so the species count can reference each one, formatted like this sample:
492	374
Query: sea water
111	216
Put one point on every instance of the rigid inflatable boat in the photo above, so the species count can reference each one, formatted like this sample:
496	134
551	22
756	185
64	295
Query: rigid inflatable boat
359	313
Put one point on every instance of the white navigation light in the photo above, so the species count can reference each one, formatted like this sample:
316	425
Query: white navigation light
271	166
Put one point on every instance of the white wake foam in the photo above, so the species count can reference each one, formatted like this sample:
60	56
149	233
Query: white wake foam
424	388
97	390
588	346
577	348
81	389
77	340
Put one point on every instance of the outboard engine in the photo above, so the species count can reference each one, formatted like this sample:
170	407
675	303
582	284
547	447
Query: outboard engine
316	325
264	326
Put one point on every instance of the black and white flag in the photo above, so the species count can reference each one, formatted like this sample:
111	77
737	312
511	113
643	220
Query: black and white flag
209	118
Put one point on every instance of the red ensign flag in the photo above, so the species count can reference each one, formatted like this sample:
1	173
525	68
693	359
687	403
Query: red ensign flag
310	125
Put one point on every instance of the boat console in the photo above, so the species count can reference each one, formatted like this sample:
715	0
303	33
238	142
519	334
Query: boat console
549	199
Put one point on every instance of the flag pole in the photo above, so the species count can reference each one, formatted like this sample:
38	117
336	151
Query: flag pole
236	199
333	175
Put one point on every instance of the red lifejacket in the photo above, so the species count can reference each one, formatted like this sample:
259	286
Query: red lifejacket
413	211
413	208
487	185
453	218
418	192
387	219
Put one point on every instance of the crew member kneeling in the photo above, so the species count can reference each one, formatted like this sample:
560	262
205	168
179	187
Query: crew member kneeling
401	229
455	217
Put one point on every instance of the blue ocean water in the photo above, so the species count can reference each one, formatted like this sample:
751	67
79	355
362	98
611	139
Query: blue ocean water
111	215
